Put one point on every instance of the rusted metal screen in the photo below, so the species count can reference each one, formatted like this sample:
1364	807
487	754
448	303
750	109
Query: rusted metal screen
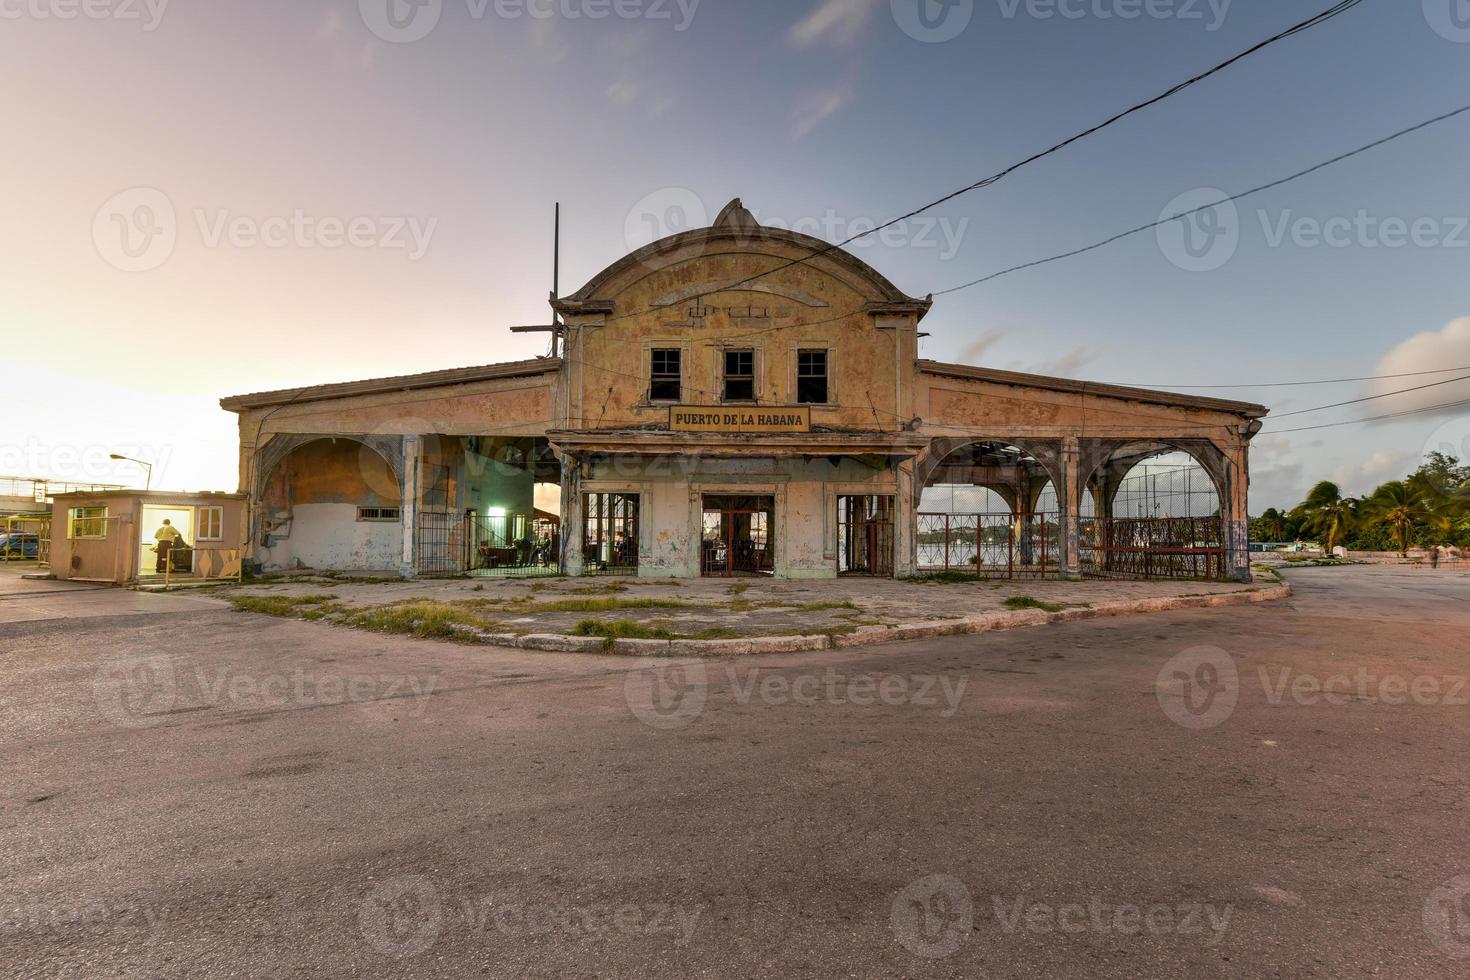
1154	548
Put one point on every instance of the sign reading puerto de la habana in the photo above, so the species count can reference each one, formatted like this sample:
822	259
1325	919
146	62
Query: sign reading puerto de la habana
723	418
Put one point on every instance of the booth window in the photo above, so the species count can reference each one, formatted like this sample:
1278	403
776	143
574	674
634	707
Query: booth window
811	377
87	522
739	375
211	523
666	382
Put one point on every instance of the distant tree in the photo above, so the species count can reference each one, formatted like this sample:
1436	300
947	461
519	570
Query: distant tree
1327	515
1402	508
1273	526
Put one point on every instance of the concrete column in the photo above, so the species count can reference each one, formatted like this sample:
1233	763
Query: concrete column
571	515
412	450
1069	502
906	522
1235	512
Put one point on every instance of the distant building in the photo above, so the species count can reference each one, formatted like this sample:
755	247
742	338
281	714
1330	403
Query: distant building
733	400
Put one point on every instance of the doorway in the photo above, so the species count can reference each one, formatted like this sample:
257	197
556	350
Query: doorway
865	536
738	536
180	518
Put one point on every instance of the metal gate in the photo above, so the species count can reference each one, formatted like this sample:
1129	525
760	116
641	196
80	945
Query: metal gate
610	533
510	545
996	546
865	536
737	539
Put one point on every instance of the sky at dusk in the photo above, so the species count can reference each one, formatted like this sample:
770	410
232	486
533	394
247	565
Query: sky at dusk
210	198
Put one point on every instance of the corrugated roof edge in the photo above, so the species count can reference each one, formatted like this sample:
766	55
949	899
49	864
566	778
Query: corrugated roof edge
407	382
995	376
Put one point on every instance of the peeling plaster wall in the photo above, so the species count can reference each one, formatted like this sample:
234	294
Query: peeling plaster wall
312	500
329	537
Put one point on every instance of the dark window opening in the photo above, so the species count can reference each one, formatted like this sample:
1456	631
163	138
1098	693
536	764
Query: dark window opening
811	377
666	383
739	376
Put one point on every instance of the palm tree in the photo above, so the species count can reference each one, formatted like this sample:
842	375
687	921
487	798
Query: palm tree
1274	525
1327	514
1401	507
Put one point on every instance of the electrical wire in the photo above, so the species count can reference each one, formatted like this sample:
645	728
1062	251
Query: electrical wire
1208	207
1314	21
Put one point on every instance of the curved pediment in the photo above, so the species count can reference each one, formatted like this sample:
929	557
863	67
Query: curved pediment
736	232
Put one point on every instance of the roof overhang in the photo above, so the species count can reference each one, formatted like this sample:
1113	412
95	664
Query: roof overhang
1014	378
410	382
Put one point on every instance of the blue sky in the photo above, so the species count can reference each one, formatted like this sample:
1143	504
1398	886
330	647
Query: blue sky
825	114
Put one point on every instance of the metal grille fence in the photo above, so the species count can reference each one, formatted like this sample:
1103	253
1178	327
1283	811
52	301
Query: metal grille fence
1154	548
990	545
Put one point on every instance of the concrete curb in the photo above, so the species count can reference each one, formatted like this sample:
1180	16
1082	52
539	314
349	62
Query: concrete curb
868	635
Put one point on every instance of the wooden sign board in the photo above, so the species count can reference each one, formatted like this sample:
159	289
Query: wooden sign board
725	418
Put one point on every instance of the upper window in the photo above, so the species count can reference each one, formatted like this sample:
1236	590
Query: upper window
666	382
211	523
739	375
87	522
811	377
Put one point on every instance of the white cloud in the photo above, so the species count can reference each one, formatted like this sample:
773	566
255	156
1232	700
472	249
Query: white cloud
975	349
622	93
817	106
1429	351
837	22
1358	479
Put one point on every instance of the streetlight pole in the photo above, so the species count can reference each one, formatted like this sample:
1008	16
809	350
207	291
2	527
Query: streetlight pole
129	459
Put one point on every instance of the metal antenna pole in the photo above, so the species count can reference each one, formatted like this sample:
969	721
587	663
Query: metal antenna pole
556	283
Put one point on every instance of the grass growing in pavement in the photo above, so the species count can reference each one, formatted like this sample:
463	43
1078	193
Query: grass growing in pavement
277	605
424	619
1027	602
622	629
610	605
947	578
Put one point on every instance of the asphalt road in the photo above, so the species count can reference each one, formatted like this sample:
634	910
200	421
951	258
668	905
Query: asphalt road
191	792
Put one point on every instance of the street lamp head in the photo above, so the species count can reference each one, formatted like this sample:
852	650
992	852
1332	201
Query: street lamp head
116	456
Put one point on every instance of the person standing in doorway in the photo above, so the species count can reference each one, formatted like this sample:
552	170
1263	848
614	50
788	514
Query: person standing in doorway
166	537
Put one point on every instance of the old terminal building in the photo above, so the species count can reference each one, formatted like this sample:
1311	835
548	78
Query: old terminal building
733	400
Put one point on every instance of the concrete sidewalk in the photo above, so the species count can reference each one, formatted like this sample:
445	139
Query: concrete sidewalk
716	616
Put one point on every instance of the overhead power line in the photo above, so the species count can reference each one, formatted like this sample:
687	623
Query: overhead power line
1208	207
1314	21
1370	398
1443	406
1299	384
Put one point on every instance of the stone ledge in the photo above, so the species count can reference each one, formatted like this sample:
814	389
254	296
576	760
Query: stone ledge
868	635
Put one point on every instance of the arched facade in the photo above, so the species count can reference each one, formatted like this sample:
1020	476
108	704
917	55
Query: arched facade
741	399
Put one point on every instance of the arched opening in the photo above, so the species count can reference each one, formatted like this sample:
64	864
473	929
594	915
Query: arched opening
980	512
331	504
1156	514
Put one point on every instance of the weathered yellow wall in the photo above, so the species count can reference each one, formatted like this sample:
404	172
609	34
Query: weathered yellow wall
817	305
